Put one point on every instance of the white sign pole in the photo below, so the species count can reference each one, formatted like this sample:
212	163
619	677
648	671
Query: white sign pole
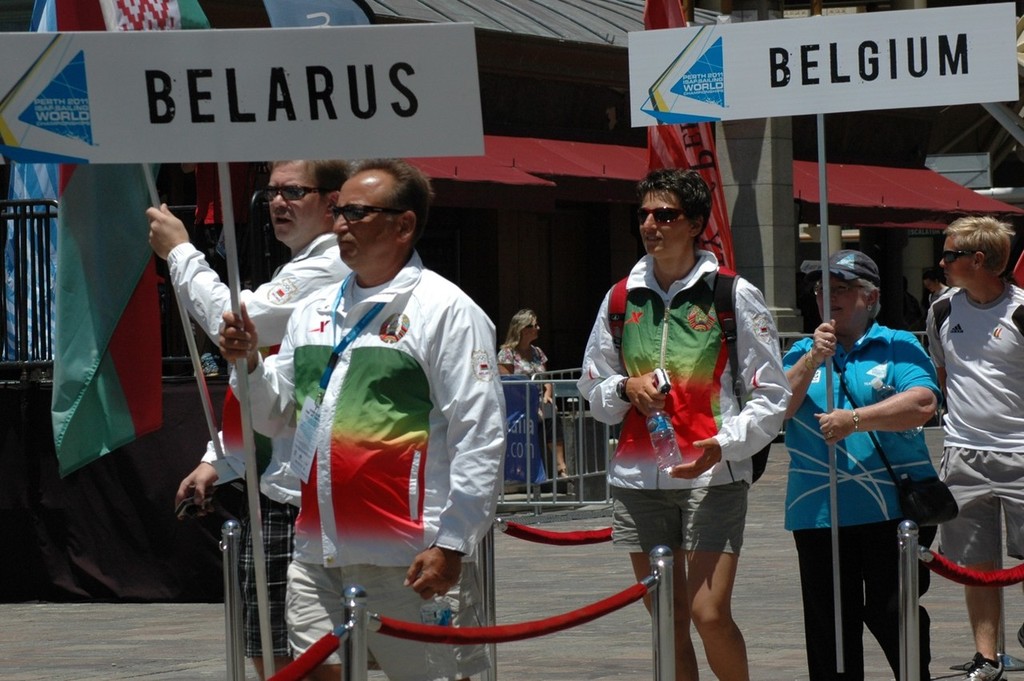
186	325
833	477
252	475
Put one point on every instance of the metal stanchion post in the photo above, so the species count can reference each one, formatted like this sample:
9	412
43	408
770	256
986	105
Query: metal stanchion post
1009	662
663	637
353	658
485	572
230	537
910	621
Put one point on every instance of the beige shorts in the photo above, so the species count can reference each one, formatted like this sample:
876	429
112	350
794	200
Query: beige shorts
698	519
315	607
983	482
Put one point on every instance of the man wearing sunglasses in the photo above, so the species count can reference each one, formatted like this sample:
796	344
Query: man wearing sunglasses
976	339
391	377
299	200
671	328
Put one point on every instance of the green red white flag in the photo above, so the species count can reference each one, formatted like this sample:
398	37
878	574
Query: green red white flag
107	387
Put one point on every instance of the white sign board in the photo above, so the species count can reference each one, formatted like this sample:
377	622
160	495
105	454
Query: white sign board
878	60
240	95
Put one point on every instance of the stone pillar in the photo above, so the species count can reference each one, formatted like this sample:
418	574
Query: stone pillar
756	161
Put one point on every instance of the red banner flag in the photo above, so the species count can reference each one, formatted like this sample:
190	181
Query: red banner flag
690	146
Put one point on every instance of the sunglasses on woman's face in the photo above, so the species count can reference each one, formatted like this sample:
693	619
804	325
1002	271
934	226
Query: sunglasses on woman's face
662	216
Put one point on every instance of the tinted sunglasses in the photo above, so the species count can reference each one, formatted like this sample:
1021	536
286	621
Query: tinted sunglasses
661	215
949	257
354	212
289	192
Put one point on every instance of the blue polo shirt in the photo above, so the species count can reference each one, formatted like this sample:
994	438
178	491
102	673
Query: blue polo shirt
883	362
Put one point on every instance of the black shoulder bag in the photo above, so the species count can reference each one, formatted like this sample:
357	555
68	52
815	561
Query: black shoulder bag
926	502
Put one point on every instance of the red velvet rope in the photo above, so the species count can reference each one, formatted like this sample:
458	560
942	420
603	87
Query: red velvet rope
558	538
309	660
430	633
942	566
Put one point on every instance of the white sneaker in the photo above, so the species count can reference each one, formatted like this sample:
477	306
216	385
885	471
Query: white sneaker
983	670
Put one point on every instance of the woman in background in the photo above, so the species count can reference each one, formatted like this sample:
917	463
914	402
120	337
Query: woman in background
518	356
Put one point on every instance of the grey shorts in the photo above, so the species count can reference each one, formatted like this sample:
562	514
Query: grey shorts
983	482
315	608
699	519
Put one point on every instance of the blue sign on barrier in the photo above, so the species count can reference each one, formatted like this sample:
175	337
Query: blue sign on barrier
523	443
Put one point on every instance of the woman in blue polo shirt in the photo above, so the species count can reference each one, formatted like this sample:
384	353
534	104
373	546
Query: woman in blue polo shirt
883	382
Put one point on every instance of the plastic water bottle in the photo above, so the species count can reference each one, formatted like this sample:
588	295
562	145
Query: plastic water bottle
884	391
663	437
440	657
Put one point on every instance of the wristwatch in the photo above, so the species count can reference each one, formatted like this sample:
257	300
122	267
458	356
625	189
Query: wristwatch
620	390
856	420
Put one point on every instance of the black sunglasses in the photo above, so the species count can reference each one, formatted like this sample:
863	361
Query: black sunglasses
661	215
354	212
949	257
290	192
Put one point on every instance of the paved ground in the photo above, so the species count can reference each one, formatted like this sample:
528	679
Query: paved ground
75	642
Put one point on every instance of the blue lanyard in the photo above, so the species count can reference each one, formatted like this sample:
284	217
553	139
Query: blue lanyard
349	337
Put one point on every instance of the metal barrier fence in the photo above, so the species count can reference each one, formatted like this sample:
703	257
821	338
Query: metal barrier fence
28	228
536	433
27	247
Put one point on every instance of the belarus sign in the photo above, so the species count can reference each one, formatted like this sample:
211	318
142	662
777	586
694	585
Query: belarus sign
240	95
880	60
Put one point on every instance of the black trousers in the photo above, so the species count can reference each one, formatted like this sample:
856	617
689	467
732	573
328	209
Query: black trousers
869	578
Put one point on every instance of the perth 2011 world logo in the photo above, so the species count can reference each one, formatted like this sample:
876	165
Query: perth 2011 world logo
696	73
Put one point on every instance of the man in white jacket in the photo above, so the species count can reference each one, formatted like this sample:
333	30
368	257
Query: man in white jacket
391	377
300	196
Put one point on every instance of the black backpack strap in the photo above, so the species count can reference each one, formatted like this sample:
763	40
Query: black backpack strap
725	309
617	312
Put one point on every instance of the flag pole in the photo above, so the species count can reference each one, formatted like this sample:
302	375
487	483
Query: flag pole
252	483
833	476
193	351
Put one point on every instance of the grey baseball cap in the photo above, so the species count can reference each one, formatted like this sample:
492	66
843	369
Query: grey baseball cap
848	265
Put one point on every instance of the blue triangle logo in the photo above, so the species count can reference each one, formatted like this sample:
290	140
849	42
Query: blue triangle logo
705	81
63	106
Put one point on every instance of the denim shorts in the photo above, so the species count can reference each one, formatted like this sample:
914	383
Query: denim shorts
697	519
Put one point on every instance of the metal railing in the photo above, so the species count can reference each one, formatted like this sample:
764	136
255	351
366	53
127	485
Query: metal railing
537	431
27	246
28	228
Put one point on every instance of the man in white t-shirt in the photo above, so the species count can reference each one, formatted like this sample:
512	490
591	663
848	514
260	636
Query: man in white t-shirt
976	341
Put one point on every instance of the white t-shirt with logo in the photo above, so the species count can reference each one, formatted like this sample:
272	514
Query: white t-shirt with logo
982	351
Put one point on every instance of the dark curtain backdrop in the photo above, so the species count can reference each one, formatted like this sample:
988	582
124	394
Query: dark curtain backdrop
107	531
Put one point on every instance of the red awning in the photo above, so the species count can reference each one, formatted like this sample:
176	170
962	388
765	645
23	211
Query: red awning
539	162
876	196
